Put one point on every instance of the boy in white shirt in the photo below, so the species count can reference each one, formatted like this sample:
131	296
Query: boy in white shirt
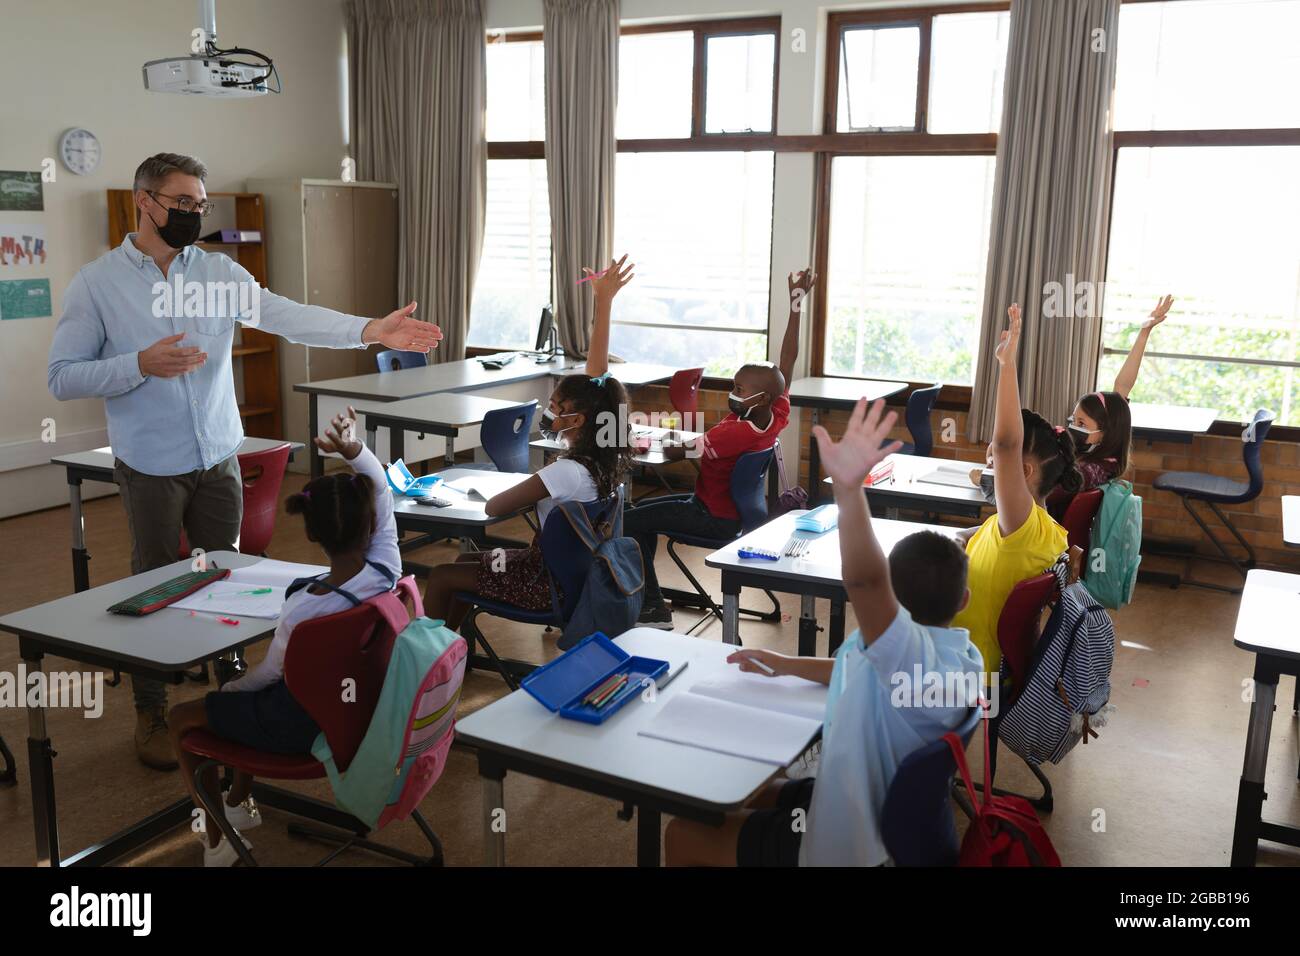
867	731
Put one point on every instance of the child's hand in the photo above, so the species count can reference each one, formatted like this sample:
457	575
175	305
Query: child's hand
1009	343
849	460
341	436
1158	313
801	284
746	658
606	285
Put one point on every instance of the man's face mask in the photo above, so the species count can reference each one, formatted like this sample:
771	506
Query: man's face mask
181	228
741	407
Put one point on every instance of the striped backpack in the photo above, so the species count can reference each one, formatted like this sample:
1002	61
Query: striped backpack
1067	685
405	747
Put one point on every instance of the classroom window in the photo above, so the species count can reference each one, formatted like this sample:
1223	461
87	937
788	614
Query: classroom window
516	105
878	77
699	227
654	85
968	56
739	78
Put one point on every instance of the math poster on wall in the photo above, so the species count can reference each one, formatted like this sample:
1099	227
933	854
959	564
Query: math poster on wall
21	244
25	299
21	191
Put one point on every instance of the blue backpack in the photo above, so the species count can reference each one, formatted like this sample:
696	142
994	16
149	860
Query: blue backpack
1111	569
610	593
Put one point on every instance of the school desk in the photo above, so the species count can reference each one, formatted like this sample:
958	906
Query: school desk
653	458
816	574
908	488
648	776
830	394
1173	423
1266	627
162	645
445	414
97	465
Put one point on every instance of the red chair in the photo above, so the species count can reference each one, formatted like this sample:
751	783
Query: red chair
263	474
323	652
1075	513
684	395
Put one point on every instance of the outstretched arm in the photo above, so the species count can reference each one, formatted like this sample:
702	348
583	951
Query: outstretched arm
1128	374
801	284
1014	501
605	286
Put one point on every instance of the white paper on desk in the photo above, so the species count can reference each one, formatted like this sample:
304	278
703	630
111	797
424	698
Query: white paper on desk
482	486
232	598
784	693
271	573
950	476
723	727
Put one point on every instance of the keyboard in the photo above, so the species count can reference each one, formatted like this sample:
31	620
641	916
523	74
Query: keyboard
499	360
168	592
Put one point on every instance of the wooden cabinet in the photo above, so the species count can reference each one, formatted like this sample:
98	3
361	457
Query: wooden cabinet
255	353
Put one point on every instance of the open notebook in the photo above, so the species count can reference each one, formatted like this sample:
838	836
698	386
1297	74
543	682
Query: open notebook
232	597
770	719
957	475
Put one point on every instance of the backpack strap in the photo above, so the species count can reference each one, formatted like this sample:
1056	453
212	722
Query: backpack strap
301	583
963	768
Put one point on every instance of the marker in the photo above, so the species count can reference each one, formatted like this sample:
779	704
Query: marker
595	275
229	620
761	666
602	701
254	591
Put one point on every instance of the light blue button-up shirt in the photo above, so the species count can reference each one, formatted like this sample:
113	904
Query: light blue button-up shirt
121	304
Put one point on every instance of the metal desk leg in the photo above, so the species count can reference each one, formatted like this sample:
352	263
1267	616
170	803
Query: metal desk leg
814	462
837	627
494	837
807	626
1250	791
647	836
449	450
372	439
396	443
731	618
313	425
80	556
40	758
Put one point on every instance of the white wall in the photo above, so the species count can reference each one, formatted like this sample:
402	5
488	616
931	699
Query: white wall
77	63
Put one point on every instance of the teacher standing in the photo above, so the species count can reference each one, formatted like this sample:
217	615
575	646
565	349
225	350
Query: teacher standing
162	364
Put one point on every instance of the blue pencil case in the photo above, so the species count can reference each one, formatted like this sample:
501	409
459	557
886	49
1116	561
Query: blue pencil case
819	520
561	685
403	482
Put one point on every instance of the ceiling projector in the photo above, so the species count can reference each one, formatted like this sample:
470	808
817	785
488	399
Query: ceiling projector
211	70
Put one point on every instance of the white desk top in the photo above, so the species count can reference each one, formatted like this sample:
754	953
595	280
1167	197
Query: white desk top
613	751
910	469
640	373
1172	418
1291	520
653	456
440	410
821	563
843	392
463	376
101	459
166	640
464	509
1266	619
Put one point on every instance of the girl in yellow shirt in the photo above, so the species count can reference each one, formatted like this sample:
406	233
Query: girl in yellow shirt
1030	457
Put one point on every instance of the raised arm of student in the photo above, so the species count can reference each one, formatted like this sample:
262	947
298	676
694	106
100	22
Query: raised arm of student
800	284
1128	373
604	287
1015	502
341	438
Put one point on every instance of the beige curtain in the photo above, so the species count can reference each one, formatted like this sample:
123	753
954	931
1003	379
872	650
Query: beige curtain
416	92
581	52
1051	205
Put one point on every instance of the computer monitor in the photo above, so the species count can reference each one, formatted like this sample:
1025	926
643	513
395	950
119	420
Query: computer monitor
544	328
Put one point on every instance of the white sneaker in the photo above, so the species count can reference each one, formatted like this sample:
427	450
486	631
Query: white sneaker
244	816
223	854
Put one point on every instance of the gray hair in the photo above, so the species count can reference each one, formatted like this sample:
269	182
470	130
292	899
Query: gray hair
151	173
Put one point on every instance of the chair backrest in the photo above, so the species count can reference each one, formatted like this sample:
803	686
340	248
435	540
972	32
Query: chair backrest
566	557
394	360
1078	516
504	436
1253	439
324	652
684	393
748	479
919	405
1020	624
262	473
916	821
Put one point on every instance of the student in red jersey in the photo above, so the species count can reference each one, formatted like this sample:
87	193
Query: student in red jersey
760	407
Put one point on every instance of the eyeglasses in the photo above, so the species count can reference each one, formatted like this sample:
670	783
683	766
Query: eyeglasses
184	203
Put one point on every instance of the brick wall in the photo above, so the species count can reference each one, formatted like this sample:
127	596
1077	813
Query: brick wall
1259	521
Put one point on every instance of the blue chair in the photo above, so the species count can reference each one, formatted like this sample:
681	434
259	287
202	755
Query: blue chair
748	491
916	822
1217	490
919	405
504	436
567	561
394	360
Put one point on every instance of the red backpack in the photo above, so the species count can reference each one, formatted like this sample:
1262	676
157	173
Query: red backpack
1004	831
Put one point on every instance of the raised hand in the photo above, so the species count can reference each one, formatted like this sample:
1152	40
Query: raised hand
606	285
341	436
800	283
1009	343
400	330
165	359
1158	313
862	446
